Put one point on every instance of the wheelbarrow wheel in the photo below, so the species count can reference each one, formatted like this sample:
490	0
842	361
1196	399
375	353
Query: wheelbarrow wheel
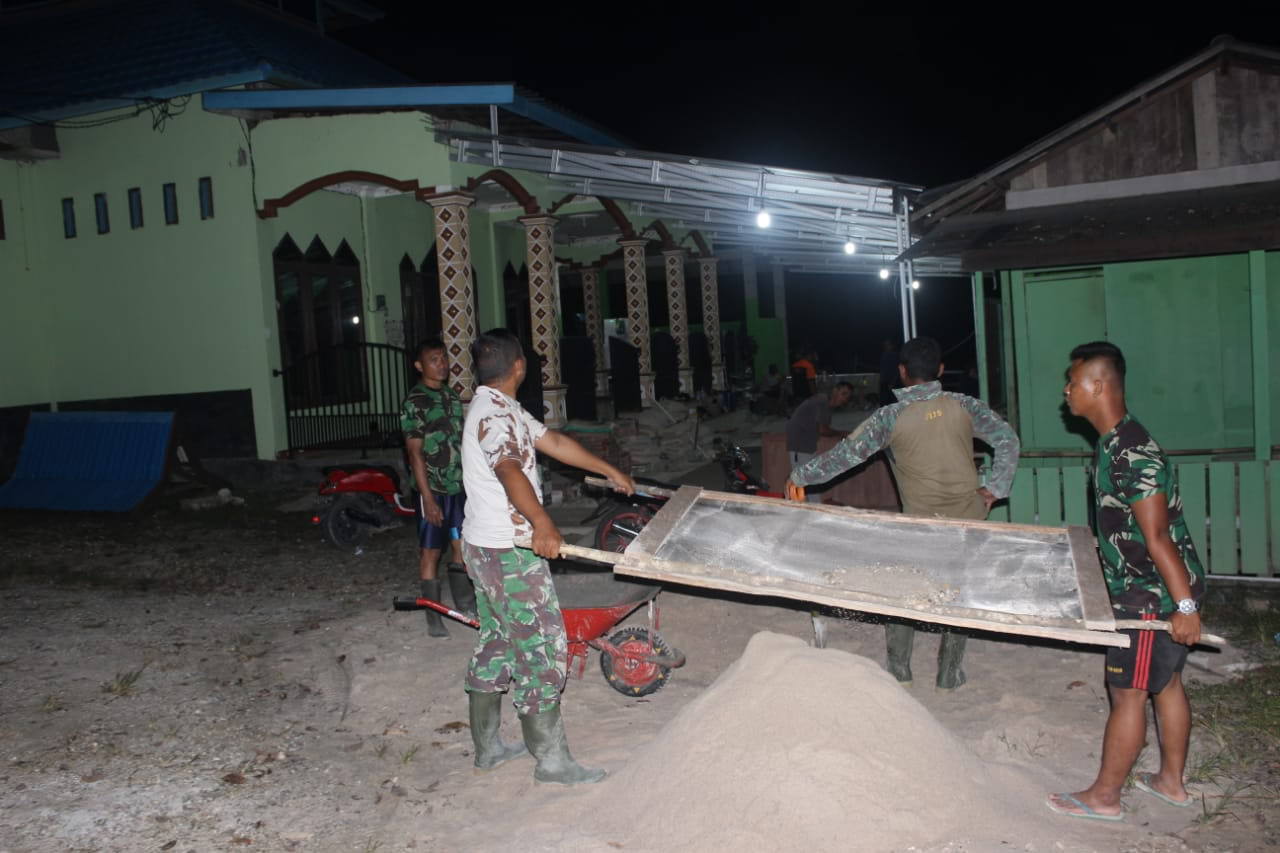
629	673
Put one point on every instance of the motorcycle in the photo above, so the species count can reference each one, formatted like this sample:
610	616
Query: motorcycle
357	501
621	518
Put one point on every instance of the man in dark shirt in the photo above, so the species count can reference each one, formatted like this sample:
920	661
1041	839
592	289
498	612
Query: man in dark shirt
1152	572
811	419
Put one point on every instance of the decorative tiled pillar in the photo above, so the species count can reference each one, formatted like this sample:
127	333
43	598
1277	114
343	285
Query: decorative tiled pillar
633	267
595	326
544	306
678	311
457	311
711	319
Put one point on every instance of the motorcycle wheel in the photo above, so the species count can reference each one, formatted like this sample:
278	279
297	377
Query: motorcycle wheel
618	529
342	524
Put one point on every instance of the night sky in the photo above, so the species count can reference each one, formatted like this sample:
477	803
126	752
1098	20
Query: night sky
923	100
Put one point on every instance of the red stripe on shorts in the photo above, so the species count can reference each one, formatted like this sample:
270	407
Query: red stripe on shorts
1142	666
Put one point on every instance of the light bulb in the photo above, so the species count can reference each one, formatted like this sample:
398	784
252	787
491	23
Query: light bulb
850	247
915	285
355	321
884	272
763	219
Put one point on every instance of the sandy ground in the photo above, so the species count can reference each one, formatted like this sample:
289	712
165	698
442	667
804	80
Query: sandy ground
280	704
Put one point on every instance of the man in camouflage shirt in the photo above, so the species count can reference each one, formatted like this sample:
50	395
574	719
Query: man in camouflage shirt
431	420
1152	572
928	436
508	538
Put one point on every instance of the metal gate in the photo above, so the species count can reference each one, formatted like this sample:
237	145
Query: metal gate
346	397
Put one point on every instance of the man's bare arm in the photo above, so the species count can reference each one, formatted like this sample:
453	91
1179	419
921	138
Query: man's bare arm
1152	514
559	446
430	509
546	536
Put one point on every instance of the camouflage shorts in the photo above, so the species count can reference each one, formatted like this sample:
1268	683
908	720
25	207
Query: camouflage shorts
522	641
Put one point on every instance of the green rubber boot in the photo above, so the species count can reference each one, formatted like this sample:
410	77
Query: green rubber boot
544	735
950	658
464	594
435	622
898	641
486	717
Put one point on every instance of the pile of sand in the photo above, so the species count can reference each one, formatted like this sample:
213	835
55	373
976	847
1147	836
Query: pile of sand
794	748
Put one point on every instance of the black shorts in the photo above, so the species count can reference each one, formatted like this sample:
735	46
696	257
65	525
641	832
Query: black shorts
1148	664
437	537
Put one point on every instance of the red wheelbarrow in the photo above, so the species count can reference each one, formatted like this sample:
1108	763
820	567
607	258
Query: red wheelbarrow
636	661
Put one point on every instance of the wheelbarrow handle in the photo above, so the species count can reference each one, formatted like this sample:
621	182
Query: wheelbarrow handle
595	554
641	489
409	602
1158	625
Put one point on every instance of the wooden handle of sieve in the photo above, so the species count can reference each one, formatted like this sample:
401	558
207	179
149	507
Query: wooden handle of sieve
1158	625
580	552
641	488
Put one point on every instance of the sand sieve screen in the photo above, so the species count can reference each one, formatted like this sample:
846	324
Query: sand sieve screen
909	562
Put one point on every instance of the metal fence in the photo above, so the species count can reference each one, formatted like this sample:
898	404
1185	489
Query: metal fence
346	397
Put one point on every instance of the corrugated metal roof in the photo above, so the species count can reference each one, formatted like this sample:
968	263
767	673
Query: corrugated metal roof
59	61
89	461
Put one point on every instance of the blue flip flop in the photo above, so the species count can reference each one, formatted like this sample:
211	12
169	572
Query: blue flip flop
1085	813
1143	783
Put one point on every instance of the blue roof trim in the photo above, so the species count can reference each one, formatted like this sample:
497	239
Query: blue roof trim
363	98
566	124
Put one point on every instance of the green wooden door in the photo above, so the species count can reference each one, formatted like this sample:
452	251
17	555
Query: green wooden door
1062	309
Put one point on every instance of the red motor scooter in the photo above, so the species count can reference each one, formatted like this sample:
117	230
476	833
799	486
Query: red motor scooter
359	500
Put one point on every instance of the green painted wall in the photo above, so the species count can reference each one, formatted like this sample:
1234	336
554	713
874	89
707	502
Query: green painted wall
25	333
161	309
289	152
1184	325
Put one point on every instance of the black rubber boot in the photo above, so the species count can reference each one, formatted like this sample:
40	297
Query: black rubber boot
464	594
950	658
544	735
435	622
486	717
898	640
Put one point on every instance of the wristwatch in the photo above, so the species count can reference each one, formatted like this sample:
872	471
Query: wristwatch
1188	605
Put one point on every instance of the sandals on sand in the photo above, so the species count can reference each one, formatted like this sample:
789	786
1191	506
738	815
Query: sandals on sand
1143	783
1085	812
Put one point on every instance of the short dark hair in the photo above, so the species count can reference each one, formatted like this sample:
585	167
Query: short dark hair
495	352
426	345
1104	350
922	358
840	385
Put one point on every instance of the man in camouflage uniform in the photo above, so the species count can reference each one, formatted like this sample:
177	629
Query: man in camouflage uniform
431	420
522	643
928	435
1152	572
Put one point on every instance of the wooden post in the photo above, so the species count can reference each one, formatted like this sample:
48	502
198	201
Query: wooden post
1261	355
980	335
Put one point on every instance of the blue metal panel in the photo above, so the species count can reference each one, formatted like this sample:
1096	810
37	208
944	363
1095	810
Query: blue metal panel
382	96
103	461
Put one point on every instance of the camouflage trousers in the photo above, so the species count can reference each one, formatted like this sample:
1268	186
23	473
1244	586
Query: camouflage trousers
522	642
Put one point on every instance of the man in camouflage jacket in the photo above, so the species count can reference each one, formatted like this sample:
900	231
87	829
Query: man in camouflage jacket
928	436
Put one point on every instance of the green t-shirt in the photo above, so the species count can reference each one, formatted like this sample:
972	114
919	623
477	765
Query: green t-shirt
435	416
1129	467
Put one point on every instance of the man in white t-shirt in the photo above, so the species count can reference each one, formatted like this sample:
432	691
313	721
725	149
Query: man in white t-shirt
522	641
